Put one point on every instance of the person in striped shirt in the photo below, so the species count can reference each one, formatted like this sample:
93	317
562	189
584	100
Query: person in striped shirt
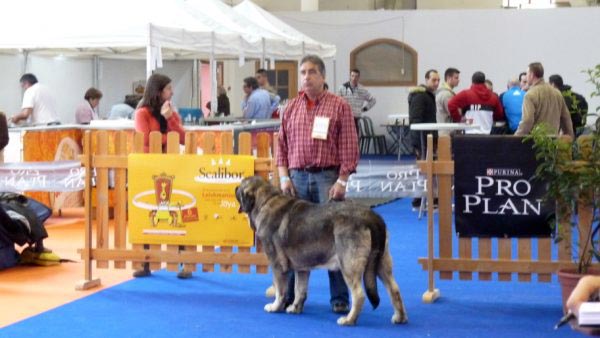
357	96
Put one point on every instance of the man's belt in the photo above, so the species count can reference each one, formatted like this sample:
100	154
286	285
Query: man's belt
318	169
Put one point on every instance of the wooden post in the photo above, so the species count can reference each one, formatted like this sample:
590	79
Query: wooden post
102	198
208	147
244	147
432	293
173	148
120	218
191	147
226	148
155	148
87	282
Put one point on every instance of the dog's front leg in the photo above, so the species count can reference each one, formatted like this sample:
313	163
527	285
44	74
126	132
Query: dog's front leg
300	291
280	283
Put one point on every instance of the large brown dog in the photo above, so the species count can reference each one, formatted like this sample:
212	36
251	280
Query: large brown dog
298	235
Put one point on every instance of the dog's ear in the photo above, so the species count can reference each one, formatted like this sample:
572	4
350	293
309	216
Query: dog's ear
246	199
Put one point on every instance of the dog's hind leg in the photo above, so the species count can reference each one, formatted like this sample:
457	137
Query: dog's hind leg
280	283
354	281
300	292
385	273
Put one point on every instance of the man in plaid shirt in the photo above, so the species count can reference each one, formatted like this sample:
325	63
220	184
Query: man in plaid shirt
317	151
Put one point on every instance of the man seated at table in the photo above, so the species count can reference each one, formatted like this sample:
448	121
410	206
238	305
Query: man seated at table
476	105
125	110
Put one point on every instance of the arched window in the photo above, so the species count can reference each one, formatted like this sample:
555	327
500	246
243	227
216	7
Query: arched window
385	62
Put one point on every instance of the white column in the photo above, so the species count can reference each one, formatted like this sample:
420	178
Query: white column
309	5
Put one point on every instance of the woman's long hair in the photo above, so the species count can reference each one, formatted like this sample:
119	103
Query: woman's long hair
154	87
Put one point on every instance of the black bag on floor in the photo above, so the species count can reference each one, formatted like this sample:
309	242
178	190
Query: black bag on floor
27	217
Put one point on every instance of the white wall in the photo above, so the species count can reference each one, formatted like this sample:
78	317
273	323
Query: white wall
10	67
233	80
500	43
117	77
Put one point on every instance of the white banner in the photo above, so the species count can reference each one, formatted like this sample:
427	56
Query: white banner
56	176
386	181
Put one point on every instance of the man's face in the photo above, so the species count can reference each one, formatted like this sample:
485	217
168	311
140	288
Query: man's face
312	79
530	78
453	80
25	85
433	82
247	89
523	81
262	80
354	77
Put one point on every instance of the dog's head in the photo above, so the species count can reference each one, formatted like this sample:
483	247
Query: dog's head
247	192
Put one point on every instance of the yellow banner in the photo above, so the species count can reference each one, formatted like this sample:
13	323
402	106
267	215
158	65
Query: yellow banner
187	199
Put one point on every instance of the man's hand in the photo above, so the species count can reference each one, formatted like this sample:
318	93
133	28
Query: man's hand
337	191
287	187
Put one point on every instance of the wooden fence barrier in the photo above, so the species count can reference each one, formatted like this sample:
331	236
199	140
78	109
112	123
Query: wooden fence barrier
101	162
503	261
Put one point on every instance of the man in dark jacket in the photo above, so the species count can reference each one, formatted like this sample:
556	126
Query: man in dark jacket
477	105
422	109
578	106
421	106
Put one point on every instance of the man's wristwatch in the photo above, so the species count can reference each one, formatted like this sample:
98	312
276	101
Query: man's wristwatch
283	179
342	182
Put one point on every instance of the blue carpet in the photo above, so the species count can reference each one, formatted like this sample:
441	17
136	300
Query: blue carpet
231	305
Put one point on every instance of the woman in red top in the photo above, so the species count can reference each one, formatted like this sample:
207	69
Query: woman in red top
156	112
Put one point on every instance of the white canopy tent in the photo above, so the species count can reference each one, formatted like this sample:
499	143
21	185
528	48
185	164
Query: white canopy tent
278	40
145	29
298	42
150	29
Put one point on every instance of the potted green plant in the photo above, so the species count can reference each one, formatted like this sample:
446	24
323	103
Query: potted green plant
572	174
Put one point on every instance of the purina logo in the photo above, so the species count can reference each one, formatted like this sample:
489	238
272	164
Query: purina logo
510	172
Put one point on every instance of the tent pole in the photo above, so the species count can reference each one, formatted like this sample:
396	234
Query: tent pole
195	100
213	77
334	88
263	61
25	61
149	54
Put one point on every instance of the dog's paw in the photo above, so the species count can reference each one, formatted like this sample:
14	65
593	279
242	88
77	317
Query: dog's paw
294	309
346	321
272	307
400	318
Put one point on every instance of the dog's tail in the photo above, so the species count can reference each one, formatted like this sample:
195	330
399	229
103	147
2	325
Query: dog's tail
377	228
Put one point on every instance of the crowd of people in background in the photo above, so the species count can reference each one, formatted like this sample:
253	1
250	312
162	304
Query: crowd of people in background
527	101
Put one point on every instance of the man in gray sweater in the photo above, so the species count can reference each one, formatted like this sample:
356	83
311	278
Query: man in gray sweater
444	94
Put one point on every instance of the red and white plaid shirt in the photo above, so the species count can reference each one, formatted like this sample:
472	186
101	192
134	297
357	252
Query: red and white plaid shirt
297	149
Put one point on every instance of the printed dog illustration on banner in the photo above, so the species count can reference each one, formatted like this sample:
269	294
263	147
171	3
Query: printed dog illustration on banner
163	188
299	236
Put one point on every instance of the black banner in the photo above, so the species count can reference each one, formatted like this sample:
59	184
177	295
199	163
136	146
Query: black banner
495	193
